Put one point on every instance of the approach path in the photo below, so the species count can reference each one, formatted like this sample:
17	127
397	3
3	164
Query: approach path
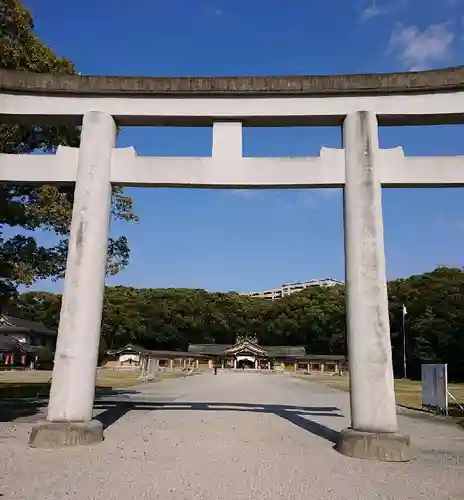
245	436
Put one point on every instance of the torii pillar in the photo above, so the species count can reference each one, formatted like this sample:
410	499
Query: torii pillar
69	418
374	432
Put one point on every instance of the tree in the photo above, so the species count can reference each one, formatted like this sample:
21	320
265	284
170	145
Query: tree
122	318
434	323
32	208
37	306
174	318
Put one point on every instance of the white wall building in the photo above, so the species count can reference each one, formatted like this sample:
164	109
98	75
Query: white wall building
289	288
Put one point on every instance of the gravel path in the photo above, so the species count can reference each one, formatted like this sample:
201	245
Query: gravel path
232	436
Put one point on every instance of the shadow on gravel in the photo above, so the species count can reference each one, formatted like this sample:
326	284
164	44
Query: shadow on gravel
26	404
24	410
114	410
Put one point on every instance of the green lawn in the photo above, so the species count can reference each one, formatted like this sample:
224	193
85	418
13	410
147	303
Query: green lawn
27	384
408	392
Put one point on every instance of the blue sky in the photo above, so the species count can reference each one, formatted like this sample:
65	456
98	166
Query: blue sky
235	240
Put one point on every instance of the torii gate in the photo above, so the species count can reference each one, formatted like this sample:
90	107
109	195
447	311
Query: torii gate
357	103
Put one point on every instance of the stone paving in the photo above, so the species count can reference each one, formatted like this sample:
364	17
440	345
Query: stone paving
231	436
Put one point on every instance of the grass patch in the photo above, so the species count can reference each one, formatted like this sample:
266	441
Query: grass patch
114	379
408	392
28	384
171	374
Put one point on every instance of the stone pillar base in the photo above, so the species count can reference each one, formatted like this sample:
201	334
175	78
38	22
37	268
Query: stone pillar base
387	447
48	435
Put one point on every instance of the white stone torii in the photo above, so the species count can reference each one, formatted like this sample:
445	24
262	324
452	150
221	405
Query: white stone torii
361	168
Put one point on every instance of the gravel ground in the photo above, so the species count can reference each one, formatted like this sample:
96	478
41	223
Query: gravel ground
232	436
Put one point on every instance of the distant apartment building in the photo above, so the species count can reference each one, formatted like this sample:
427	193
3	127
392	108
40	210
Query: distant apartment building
288	289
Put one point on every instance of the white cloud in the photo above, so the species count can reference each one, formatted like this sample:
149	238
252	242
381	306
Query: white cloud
373	10
377	8
419	50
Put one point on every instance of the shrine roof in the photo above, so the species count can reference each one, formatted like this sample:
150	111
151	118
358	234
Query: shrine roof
12	345
136	349
11	324
271	351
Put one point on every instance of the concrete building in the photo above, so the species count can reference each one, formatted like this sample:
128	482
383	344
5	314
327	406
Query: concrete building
289	288
357	104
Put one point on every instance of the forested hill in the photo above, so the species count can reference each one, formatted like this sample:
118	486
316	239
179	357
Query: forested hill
315	317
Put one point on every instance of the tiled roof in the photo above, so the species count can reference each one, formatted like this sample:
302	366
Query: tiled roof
285	351
322	357
10	344
11	324
208	349
198	350
127	348
136	349
272	351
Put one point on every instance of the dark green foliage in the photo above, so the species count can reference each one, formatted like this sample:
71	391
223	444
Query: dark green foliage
46	208
45	355
434	323
174	318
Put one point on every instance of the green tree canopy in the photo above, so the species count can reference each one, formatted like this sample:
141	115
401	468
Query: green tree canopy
174	318
46	208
